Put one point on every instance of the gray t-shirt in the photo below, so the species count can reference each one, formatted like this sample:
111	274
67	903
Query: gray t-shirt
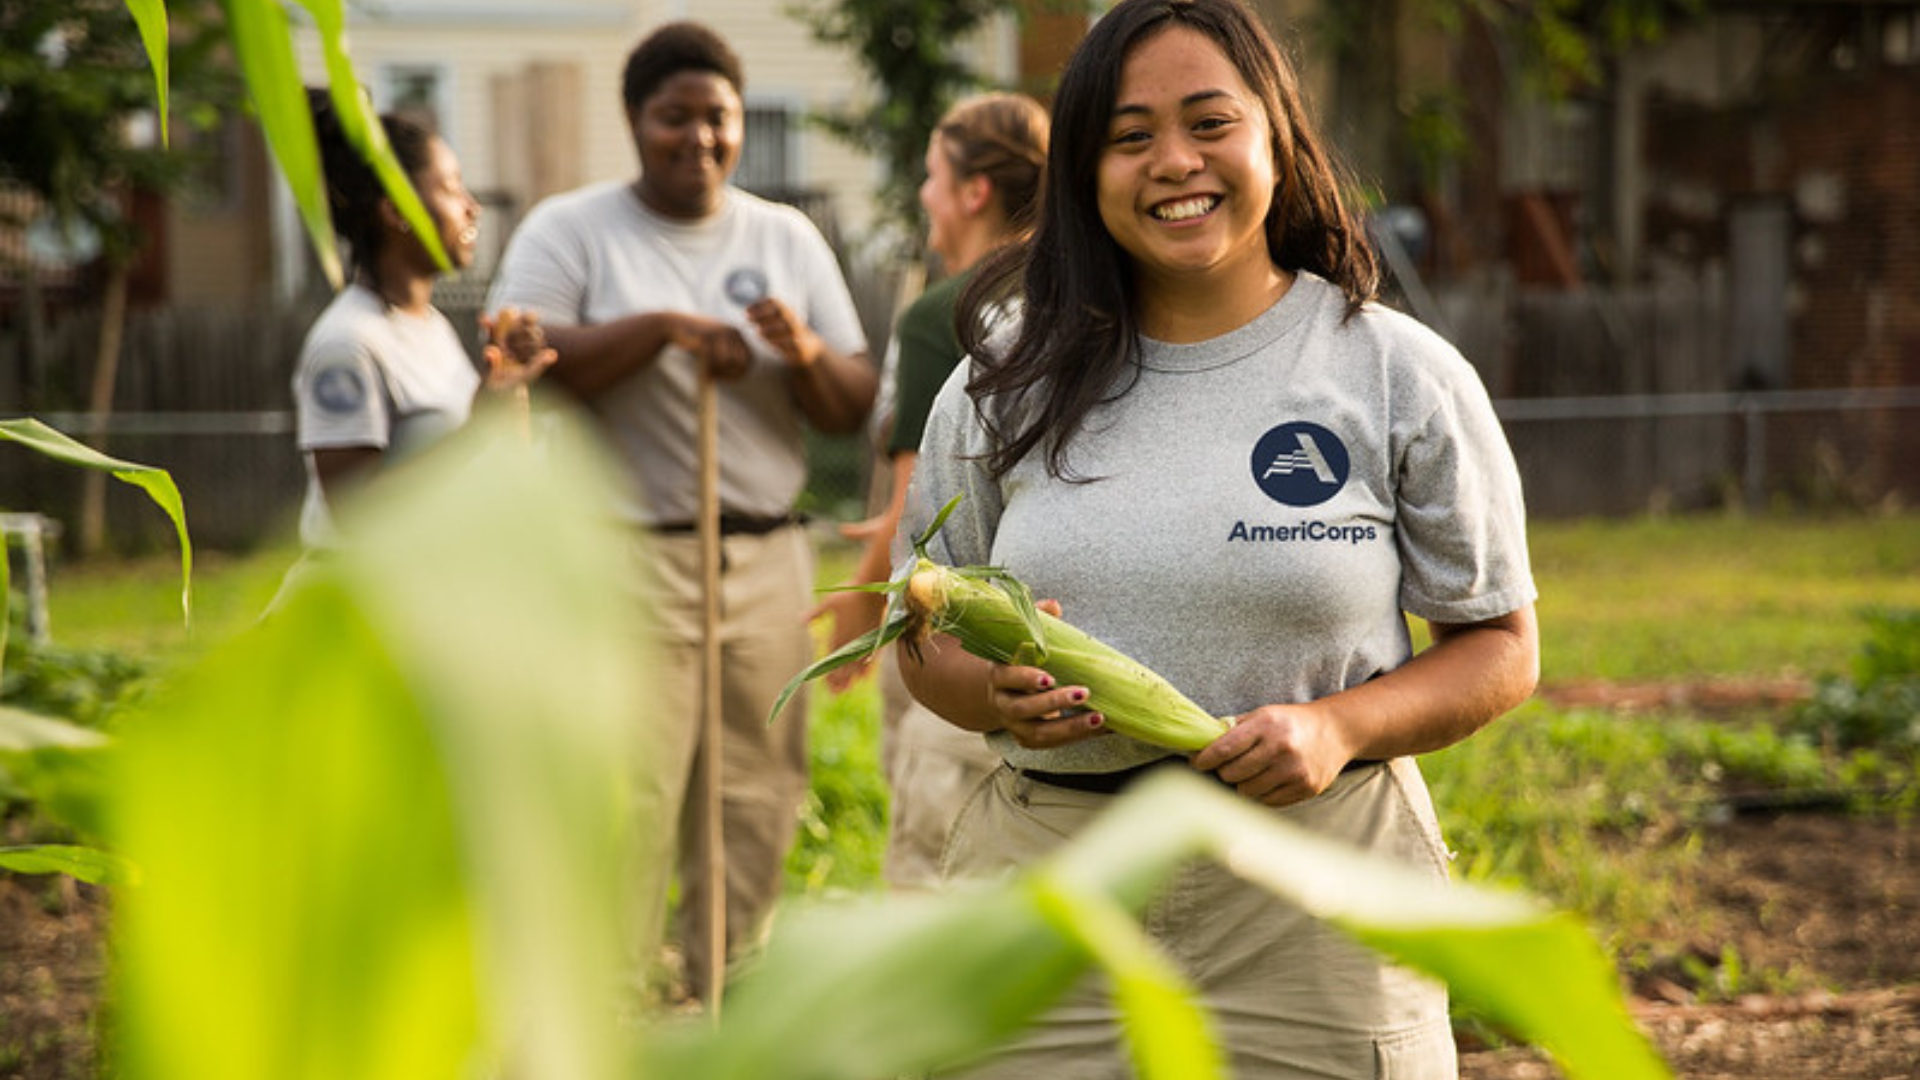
1269	507
598	254
372	375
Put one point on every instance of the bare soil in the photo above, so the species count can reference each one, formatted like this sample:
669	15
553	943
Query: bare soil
1821	909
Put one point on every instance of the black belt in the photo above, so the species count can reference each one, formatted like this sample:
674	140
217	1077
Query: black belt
736	525
1113	783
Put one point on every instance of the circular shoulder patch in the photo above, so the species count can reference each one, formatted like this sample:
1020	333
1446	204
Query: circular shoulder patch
1300	464
746	286
340	389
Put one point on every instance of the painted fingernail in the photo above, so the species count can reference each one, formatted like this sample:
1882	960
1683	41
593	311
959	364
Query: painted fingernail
1095	720
1078	696
1046	682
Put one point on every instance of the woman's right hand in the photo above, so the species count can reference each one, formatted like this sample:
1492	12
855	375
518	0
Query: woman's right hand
1039	713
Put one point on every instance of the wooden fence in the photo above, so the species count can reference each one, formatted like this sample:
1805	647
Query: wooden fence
1645	414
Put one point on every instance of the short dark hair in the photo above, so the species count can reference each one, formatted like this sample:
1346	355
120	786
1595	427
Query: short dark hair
671	49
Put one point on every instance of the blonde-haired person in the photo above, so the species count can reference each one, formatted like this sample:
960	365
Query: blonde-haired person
985	161
1212	447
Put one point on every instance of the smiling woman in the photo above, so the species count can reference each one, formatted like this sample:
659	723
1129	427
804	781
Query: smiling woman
1210	446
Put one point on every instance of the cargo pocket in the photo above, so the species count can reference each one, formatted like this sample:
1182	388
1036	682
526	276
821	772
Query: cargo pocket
1421	1053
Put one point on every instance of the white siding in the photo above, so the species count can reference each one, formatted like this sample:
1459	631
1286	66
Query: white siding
483	44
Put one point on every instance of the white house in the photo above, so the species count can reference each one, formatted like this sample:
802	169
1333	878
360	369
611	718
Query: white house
528	94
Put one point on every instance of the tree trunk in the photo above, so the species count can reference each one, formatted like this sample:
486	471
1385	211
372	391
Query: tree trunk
92	536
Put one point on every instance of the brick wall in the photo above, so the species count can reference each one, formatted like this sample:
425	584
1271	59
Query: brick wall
1844	156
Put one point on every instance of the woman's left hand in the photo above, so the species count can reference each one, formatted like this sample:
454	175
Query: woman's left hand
1278	754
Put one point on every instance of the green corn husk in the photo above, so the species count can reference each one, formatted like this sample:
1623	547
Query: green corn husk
991	614
991	619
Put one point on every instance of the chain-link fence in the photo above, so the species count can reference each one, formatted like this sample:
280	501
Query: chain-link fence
1634	453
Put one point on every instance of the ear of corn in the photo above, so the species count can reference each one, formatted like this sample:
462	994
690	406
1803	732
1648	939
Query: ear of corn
992	615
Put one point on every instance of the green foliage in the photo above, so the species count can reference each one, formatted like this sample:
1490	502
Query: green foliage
1602	813
1564	46
1879	706
843	825
75	76
261	40
385	827
157	483
908	48
82	685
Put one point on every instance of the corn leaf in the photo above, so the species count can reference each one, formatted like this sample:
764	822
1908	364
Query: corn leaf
361	125
385	829
157	483
262	39
91	865
1170	1035
880	989
1568	1002
150	16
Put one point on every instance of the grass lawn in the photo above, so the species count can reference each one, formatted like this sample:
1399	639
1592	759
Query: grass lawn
1635	599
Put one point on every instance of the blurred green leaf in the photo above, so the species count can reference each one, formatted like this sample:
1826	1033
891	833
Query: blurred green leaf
361	125
385	829
24	732
262	39
151	17
91	865
1171	1037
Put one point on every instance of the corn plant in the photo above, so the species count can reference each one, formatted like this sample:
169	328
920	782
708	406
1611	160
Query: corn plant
62	748
263	44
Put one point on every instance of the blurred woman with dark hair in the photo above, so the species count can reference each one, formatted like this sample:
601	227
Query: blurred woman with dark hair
382	373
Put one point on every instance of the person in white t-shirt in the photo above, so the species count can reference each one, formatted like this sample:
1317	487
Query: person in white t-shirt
382	374
642	286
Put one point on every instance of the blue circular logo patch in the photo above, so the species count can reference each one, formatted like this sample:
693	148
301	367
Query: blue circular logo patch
1300	464
746	286
339	390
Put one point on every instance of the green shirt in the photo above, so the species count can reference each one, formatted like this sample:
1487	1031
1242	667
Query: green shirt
929	350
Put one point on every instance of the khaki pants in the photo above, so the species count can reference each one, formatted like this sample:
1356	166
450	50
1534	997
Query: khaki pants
932	769
1291	998
766	590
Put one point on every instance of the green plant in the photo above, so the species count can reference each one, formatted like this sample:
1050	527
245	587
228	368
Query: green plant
49	761
1879	706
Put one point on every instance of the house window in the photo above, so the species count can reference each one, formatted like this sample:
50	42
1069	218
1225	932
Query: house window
417	92
768	164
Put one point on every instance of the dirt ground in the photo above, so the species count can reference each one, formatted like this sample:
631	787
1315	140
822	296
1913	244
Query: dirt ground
1821	908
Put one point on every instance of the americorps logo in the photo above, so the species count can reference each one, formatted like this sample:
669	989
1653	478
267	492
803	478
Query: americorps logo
1300	464
746	286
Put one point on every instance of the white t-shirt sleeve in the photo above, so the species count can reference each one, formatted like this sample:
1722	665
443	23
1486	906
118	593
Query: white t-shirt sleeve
1462	518
951	463
340	398
544	270
833	315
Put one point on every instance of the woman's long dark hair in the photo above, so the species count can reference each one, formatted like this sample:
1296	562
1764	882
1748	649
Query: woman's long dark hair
354	192
1077	339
